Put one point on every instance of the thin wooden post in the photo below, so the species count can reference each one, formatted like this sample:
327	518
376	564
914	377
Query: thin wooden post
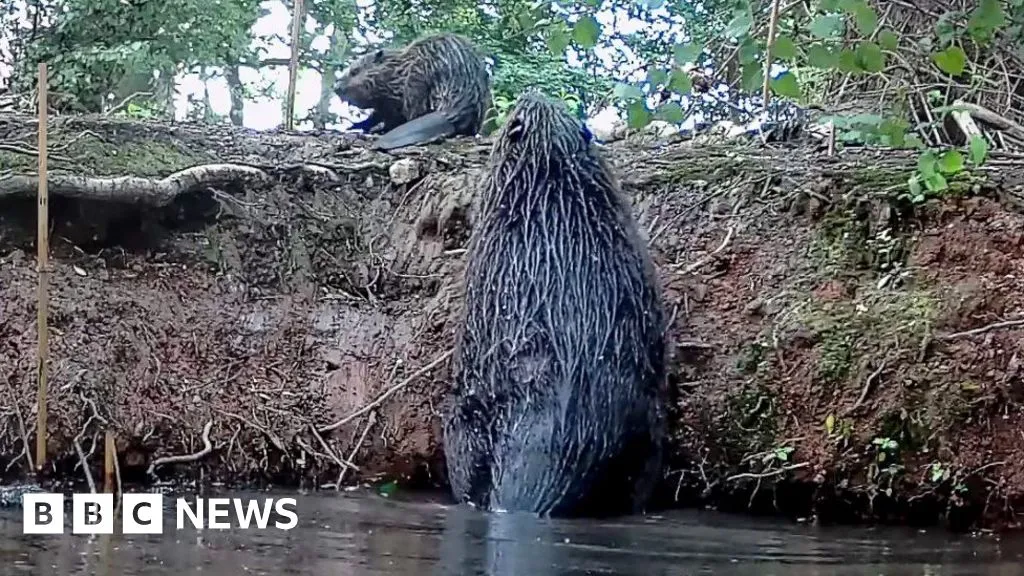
773	24
293	64
43	269
109	453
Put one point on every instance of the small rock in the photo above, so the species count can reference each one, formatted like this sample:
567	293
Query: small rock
754	307
404	171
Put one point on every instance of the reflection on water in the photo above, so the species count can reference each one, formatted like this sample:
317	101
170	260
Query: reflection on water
364	534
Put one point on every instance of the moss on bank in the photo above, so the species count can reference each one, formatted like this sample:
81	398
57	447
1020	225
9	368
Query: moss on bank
115	154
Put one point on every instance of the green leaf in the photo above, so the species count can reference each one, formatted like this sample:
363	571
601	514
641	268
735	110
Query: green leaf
527	20
951	162
820	56
848	61
830	423
786	85
936	182
895	130
586	32
686	53
680	82
927	163
753	77
870	57
863	14
558	41
829	5
671	112
784	48
916	192
657	77
951	60
627	92
985	20
750	51
740	24
874	121
637	115
914	141
979	148
888	40
828	26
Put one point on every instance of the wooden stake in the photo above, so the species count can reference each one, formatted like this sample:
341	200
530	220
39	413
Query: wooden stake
293	64
43	269
109	453
773	25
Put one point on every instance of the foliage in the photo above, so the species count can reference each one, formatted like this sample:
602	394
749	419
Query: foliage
842	38
105	50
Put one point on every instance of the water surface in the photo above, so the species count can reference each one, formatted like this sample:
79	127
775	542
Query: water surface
365	534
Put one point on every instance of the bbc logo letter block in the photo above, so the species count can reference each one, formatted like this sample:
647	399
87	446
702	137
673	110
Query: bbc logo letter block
144	513
93	514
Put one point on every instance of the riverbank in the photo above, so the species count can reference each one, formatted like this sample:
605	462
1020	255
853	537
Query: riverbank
840	352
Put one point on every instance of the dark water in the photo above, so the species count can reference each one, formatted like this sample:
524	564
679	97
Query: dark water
363	534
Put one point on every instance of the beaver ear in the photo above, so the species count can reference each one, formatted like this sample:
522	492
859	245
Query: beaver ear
378	56
515	130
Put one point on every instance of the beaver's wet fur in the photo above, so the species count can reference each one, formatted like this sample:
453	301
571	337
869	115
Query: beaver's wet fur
559	378
435	87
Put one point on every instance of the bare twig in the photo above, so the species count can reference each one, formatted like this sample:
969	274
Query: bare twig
355	449
387	393
22	430
330	452
770	473
725	241
867	388
81	456
207	448
707	259
983	329
125	102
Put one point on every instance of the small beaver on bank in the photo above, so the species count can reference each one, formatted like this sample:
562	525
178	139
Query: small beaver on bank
559	376
435	87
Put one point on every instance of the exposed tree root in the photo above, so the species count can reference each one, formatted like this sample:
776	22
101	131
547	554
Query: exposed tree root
133	189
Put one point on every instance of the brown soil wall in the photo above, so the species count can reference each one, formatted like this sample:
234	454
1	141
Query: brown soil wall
838	352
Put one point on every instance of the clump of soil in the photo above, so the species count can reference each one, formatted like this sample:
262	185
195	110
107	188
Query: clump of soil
838	353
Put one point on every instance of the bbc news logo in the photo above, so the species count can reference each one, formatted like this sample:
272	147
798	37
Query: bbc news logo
144	513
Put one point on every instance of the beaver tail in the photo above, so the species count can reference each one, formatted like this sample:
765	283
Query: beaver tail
422	130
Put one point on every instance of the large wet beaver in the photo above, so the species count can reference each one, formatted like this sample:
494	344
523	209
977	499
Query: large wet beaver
435	87
559	377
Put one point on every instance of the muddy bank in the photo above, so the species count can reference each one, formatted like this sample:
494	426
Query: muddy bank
839	353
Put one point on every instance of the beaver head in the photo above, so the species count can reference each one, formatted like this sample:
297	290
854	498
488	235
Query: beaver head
362	82
543	143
